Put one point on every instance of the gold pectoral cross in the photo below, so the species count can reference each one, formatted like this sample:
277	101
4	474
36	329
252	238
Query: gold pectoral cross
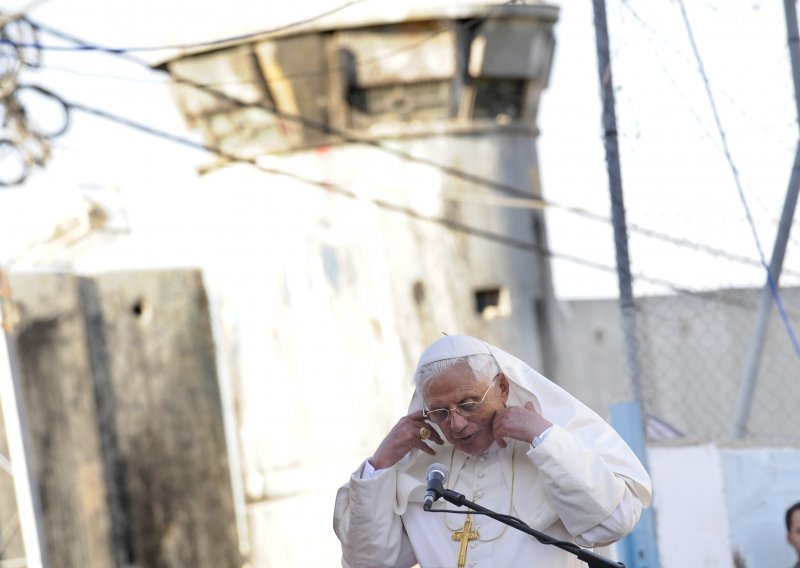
464	535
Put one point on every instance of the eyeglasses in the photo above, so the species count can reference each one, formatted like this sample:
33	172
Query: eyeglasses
465	409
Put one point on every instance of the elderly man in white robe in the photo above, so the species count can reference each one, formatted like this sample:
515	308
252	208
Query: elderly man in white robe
513	442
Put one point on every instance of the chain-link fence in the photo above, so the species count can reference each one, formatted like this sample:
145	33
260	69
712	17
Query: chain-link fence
694	351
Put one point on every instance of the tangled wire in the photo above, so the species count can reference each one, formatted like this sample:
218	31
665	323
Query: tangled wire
23	143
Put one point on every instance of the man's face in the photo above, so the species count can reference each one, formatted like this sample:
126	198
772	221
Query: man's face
471	434
793	536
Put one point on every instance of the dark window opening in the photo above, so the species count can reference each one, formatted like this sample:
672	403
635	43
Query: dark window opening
485	299
495	98
493	303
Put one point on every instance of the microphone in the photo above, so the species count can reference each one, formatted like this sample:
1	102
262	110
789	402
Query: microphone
437	477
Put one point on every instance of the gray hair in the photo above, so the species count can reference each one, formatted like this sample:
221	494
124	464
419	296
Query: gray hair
484	368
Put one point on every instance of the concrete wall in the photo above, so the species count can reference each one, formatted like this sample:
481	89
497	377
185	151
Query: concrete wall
119	380
326	305
689	501
692	352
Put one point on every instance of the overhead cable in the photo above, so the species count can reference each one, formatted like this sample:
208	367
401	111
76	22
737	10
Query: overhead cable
451	224
773	285
457	173
85	46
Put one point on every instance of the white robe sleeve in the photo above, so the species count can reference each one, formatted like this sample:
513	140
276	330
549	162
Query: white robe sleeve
618	524
595	505
371	533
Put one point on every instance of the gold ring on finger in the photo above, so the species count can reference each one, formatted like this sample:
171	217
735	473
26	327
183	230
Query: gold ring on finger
424	433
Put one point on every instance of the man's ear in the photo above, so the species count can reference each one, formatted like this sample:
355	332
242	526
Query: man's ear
504	387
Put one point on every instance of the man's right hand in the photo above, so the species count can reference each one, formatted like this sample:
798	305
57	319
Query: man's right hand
402	439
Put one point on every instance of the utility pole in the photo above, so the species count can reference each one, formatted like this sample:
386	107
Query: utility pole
779	249
25	486
638	550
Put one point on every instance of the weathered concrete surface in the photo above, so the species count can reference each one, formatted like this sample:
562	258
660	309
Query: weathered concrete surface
63	423
120	385
693	349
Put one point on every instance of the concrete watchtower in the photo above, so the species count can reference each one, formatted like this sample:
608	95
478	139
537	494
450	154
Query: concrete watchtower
415	122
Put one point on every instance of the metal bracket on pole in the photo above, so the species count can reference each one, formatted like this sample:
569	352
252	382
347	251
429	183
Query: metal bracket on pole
16	425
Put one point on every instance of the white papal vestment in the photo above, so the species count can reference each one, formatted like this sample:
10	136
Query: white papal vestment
581	484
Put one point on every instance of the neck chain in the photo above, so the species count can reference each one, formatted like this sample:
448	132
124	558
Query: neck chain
510	498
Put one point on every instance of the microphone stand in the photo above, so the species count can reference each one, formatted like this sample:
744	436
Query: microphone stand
592	559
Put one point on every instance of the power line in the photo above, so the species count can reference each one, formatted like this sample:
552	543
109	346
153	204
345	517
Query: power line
124	78
322	127
287	77
262	34
773	285
341	190
363	63
651	33
458	173
455	172
450	224
524	199
85	46
449	170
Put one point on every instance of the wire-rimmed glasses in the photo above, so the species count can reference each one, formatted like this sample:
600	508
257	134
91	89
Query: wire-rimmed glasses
465	409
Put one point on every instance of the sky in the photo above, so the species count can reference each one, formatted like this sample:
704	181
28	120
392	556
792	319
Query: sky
676	178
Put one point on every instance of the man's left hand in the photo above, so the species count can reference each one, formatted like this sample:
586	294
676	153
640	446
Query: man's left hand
518	423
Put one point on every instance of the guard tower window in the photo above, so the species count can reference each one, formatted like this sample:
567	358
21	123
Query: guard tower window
498	98
398	73
401	102
493	303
